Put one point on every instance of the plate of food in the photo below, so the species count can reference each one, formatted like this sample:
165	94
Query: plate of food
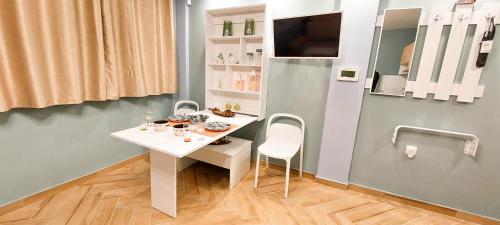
227	113
179	118
221	141
217	126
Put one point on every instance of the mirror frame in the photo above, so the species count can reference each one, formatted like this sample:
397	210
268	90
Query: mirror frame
412	54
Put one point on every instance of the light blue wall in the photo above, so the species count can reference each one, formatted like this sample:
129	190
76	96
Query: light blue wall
299	87
181	44
344	99
440	173
295	86
279	8
41	148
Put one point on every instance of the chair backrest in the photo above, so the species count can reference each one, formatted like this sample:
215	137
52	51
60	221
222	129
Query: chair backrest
182	111
284	132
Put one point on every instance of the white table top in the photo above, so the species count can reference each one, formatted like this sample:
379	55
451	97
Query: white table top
166	142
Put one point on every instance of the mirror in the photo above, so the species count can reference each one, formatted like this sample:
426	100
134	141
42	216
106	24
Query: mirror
395	51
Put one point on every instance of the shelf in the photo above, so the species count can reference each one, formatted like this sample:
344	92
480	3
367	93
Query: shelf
253	38
227	38
238	10
227	75
234	65
244	65
472	141
236	92
237	38
215	64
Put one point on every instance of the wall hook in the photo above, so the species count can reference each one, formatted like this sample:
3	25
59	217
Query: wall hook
437	18
489	16
462	18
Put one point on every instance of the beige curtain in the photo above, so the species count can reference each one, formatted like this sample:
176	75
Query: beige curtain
140	47
69	51
51	52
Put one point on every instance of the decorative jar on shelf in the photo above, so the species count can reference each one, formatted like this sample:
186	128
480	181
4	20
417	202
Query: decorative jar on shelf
219	83
220	59
237	107
227	28
232	59
257	81
249	27
238	82
251	82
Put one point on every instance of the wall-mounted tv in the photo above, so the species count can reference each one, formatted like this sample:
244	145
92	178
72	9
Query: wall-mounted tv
315	36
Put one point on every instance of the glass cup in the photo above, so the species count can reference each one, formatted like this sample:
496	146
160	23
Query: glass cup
148	119
187	136
197	127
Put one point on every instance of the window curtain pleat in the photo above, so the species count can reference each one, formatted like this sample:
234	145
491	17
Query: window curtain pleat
140	47
65	52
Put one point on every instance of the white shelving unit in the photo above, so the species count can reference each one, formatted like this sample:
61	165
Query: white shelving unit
240	81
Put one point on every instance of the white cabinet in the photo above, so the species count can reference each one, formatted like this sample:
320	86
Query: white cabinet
241	77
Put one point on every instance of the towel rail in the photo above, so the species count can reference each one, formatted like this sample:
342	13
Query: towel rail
472	141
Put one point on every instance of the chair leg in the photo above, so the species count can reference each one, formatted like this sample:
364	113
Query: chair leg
267	162
301	164
287	178
257	163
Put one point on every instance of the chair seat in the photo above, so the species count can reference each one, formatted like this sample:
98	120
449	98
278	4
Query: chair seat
279	149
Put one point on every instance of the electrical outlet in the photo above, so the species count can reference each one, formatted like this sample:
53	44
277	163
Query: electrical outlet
411	151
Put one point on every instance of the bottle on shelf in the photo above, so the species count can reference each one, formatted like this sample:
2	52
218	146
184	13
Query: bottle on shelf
237	107
250	58
219	82
258	56
232	59
251	82
257	81
220	59
228	106
238	82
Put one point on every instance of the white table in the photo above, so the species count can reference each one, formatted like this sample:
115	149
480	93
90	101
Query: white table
166	148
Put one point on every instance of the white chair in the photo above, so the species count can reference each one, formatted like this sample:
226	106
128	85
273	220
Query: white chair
183	111
283	141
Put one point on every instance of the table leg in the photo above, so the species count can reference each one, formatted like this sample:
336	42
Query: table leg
164	182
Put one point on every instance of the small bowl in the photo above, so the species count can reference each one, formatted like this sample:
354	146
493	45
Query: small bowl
160	125
179	129
199	118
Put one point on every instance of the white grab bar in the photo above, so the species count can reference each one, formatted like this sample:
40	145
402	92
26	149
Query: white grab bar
472	141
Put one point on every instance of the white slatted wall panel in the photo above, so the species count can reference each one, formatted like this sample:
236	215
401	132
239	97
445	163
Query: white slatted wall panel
435	21
472	74
440	16
461	18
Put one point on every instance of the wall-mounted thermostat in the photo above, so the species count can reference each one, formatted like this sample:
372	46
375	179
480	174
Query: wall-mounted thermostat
348	74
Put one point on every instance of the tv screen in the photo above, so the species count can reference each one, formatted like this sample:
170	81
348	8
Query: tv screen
308	36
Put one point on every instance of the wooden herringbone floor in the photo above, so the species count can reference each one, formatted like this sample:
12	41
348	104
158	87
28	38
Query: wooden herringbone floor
123	197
